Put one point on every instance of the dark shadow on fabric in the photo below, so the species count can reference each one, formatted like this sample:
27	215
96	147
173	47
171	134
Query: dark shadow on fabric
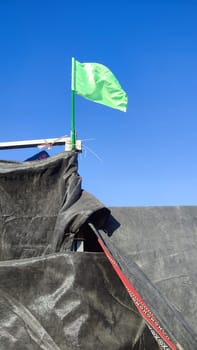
111	226
100	217
146	341
89	238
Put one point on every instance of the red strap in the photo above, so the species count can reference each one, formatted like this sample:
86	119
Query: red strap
162	339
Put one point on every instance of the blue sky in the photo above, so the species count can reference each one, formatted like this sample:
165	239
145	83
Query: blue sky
149	153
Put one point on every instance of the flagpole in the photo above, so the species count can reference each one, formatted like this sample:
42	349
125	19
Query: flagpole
73	105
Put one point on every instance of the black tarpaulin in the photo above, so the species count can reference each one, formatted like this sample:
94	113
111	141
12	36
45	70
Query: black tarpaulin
155	248
54	298
50	296
42	206
65	301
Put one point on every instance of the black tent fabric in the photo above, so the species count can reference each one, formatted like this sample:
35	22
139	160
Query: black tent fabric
155	248
52	297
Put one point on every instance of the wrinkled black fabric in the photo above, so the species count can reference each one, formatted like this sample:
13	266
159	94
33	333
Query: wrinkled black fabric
41	203
65	301
52	298
156	249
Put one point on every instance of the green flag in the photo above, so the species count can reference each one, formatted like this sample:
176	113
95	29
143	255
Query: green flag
97	83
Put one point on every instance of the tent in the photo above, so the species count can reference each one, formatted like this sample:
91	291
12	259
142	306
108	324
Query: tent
133	286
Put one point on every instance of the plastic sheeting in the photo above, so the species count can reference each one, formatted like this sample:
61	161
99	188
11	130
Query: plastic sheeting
65	301
52	298
155	248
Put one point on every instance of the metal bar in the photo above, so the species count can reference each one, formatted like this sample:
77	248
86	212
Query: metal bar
34	143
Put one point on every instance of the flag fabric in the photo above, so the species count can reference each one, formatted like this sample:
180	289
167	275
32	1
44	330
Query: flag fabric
96	82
